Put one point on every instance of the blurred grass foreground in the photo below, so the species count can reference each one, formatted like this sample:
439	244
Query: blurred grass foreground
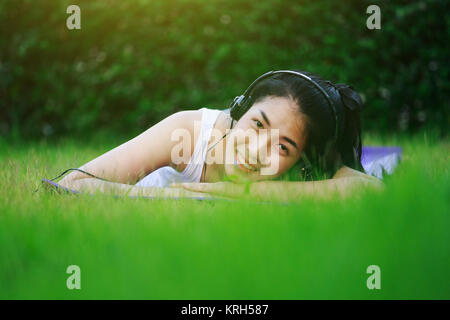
190	249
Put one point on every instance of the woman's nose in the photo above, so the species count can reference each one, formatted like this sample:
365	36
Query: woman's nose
257	150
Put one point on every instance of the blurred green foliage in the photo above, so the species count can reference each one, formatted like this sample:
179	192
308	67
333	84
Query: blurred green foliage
137	61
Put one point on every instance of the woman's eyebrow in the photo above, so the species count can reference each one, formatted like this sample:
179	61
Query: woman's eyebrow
265	117
290	141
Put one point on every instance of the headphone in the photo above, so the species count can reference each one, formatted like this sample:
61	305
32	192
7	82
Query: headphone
241	104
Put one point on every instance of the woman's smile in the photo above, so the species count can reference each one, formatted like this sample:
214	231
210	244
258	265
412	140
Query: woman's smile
240	161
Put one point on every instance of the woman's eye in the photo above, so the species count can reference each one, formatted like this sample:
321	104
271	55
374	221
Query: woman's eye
284	148
259	124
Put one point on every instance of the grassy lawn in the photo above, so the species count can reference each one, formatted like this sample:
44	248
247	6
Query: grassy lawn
191	249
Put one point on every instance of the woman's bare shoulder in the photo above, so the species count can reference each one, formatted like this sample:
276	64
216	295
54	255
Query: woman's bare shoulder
189	118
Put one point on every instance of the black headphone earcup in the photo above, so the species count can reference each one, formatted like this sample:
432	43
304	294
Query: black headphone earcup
233	111
239	107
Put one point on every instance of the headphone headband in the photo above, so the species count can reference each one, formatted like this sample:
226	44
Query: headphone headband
240	105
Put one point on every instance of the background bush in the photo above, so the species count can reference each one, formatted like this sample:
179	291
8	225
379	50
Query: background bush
137	61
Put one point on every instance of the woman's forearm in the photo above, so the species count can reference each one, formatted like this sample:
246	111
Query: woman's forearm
285	190
93	185
291	190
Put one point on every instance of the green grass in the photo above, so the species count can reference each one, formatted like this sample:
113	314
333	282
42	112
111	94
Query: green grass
190	249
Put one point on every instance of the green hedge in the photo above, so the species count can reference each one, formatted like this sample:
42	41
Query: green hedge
137	61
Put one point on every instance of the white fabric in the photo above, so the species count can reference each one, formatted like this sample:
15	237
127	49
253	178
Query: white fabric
164	176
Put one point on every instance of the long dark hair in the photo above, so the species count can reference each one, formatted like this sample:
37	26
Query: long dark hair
322	155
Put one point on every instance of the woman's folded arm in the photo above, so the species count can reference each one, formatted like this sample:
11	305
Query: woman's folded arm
343	184
292	190
93	185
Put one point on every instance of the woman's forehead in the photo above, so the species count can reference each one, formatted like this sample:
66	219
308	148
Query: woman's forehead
281	112
276	105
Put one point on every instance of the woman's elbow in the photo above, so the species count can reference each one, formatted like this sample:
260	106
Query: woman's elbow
69	181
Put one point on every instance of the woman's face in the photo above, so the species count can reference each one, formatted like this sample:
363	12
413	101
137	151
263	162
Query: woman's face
267	141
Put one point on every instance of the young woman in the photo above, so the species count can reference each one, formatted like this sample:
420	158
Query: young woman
316	148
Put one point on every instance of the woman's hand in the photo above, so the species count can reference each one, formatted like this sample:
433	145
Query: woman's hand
226	189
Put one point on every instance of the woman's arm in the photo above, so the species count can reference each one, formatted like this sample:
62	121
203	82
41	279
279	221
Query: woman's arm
92	186
343	183
134	159
292	190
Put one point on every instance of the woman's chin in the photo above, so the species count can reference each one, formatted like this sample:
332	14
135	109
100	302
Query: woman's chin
235	173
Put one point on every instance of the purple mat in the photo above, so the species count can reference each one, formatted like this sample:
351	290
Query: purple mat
379	160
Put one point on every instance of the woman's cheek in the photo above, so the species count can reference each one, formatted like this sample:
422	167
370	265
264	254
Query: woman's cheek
283	165
271	168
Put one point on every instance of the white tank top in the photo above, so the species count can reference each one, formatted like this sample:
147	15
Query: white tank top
164	176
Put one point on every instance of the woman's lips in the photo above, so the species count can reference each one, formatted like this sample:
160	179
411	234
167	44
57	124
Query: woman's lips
240	161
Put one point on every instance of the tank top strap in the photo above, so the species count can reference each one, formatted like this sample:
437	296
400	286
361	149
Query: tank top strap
195	166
